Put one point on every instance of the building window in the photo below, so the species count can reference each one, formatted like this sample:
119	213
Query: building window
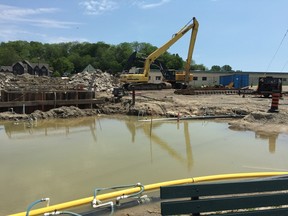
149	77
158	77
204	78
195	78
284	79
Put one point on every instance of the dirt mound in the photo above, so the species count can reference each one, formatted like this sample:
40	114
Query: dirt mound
263	118
262	122
63	112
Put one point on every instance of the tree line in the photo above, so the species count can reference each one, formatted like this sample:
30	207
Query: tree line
72	57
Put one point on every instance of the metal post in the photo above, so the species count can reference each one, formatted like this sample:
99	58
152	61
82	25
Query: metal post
133	96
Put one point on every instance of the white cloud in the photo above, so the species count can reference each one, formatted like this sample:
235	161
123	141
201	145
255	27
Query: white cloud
146	4
13	32
15	15
9	12
64	39
96	7
52	23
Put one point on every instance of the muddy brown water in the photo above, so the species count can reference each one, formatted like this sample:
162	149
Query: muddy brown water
68	159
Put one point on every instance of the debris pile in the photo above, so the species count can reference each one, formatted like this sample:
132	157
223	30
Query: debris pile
94	81
6	79
98	81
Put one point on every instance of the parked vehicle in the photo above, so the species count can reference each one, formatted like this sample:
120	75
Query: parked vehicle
268	85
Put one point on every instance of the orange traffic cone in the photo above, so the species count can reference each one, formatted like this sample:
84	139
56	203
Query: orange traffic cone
275	102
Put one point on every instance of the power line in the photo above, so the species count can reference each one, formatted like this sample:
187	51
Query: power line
276	51
284	65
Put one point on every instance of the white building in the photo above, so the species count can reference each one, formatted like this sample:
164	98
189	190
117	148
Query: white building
210	78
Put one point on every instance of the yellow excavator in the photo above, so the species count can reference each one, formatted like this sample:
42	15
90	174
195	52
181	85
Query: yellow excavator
139	80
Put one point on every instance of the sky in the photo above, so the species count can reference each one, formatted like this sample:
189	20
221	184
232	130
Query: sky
248	35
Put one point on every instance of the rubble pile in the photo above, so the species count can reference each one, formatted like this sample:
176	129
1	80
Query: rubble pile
98	81
6	79
94	81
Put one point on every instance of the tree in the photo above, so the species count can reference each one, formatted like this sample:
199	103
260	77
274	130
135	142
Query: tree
77	62
173	61
146	48
8	56
74	56
199	67
36	49
123	51
56	74
226	68
63	65
215	68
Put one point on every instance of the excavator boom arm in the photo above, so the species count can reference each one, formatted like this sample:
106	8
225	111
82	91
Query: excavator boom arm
151	58
190	51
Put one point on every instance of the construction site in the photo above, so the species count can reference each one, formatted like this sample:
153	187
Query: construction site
88	94
27	93
136	91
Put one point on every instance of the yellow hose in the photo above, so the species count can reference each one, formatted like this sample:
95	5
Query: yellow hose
155	186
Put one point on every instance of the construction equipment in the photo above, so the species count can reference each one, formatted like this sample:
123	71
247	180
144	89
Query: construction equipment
140	80
132	66
268	85
185	77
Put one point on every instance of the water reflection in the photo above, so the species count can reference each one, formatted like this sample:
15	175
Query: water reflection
148	130
53	127
67	158
60	127
272	137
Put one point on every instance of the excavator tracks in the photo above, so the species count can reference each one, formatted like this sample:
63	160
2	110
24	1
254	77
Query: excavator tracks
144	86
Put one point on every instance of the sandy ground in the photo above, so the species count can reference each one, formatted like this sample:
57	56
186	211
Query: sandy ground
166	103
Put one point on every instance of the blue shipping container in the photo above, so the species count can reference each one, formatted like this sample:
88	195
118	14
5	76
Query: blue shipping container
239	80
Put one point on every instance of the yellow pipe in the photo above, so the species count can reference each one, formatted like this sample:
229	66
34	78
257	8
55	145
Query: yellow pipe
155	186
237	176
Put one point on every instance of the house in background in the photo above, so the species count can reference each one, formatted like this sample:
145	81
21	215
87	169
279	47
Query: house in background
89	68
23	67
6	69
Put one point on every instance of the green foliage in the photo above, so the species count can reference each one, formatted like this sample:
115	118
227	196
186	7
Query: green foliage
73	57
226	68
63	65
199	67
173	61
215	68
56	74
